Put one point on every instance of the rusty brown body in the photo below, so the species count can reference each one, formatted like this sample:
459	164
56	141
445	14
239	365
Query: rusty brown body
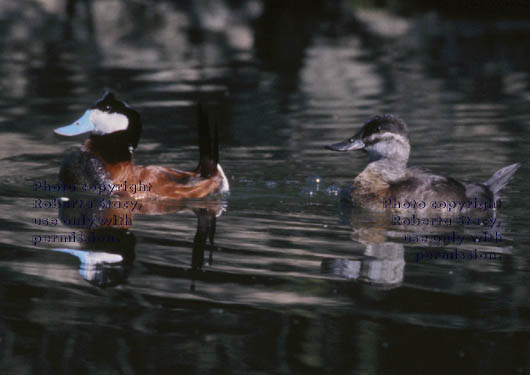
165	183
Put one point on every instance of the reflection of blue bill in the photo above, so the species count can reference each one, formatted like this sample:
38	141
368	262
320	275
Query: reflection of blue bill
91	259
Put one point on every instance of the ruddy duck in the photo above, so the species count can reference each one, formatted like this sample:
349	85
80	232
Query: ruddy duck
386	178
106	158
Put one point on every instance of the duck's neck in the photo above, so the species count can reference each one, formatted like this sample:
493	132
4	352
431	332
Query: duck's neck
372	184
390	157
112	149
387	170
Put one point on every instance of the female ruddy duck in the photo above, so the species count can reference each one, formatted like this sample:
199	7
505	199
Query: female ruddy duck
106	158
386	182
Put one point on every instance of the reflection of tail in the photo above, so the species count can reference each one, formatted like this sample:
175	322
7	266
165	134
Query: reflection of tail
206	222
208	144
501	178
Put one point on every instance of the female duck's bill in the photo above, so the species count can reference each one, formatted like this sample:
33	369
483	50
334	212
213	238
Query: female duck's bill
353	143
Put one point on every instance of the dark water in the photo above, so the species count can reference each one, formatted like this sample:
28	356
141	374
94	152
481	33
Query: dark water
294	283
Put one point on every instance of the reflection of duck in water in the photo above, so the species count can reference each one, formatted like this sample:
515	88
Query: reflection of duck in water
382	264
105	263
387	177
107	156
106	252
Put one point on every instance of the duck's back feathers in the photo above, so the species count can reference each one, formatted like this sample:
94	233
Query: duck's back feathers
421	184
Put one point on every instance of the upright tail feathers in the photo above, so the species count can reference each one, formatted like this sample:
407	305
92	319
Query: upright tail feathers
208	144
501	178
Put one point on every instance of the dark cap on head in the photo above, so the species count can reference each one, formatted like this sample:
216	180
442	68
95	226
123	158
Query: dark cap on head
385	123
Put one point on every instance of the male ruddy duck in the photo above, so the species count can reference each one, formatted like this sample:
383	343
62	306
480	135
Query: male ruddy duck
106	158
386	178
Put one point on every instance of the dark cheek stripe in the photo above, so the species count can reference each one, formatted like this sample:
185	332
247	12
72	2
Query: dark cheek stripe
371	143
377	140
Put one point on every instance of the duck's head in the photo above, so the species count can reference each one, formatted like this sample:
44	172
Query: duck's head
383	137
114	128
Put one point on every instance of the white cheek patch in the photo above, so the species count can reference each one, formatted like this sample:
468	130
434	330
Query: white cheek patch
106	123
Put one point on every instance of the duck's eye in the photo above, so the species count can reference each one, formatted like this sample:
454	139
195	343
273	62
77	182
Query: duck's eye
107	107
351	140
379	128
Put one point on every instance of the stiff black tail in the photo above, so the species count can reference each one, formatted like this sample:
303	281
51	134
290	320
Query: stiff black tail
208	144
501	178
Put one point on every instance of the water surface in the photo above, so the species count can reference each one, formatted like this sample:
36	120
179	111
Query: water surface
293	282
